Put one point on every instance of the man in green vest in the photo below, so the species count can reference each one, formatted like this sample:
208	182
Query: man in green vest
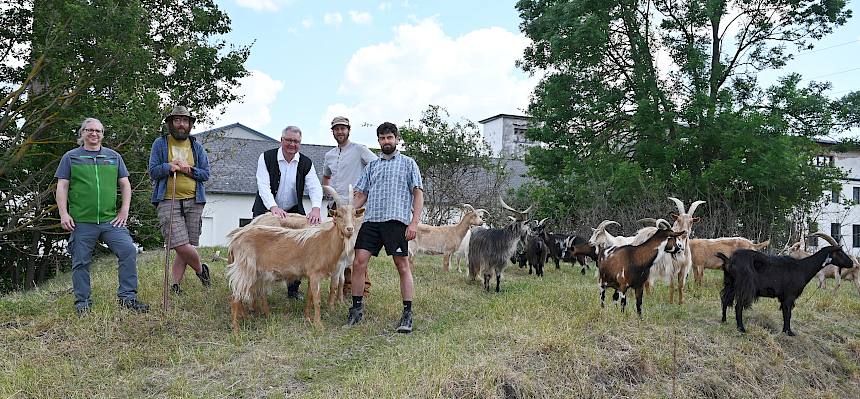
87	181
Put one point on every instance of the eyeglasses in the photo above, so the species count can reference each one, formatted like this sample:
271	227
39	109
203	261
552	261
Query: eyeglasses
291	141
88	130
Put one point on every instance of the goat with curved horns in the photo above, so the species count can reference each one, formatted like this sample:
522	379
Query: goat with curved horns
490	249
674	268
749	275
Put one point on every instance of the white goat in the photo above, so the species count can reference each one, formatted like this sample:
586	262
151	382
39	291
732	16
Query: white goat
444	240
674	268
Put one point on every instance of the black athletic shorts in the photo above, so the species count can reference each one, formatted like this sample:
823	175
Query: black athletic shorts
391	234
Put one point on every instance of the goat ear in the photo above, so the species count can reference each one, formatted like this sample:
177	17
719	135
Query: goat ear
697	219
674	216
359	212
331	213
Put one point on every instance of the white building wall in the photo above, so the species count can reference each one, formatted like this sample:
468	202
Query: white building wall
222	215
494	135
847	216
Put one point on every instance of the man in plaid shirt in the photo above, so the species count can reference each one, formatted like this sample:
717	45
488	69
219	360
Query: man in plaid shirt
391	188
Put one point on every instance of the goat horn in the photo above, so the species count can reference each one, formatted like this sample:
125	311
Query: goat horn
506	206
647	221
826	238
334	195
542	221
693	207
468	208
662	223
679	203
529	209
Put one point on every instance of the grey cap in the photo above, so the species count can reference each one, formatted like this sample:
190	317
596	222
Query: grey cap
179	110
339	120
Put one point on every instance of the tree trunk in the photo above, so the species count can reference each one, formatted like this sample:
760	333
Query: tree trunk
32	257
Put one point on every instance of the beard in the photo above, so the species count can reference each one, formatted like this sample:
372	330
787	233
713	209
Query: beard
178	134
388	149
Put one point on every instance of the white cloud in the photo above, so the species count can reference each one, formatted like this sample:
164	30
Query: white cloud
258	91
307	22
473	76
384	6
361	17
333	18
262	5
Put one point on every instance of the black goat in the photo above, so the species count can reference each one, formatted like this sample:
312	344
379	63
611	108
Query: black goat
536	255
749	275
579	248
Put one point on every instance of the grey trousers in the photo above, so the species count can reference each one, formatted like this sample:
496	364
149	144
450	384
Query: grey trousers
81	244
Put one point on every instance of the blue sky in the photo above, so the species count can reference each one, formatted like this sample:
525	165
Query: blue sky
374	61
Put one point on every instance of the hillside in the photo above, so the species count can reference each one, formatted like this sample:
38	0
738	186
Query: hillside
539	338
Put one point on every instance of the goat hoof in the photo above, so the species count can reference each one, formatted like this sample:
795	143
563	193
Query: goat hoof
741	329
790	333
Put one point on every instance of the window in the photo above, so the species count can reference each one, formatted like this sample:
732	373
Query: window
836	232
244	222
823	160
834	196
856	196
810	240
855	235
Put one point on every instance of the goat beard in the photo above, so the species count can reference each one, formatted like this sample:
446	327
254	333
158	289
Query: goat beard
388	149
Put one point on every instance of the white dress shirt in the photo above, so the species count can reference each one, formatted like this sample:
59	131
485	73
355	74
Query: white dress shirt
286	196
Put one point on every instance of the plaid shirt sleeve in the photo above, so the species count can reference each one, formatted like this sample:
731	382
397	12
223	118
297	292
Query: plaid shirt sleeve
363	183
415	177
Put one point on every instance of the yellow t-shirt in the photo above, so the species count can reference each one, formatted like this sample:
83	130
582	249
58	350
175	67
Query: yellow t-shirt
185	186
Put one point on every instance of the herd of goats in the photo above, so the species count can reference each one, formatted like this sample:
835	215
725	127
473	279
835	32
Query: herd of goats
271	249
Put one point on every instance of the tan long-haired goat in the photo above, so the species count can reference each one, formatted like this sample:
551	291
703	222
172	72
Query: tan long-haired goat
262	255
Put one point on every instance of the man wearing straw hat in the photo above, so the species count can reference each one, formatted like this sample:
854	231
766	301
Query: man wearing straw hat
87	182
178	166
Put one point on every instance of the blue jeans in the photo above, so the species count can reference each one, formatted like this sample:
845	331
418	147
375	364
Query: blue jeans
81	244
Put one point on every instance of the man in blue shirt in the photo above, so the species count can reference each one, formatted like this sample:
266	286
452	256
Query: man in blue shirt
391	188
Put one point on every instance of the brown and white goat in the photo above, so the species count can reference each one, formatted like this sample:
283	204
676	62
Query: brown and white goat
675	268
445	240
628	266
704	252
263	255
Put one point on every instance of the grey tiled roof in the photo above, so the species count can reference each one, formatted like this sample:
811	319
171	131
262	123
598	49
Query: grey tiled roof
233	162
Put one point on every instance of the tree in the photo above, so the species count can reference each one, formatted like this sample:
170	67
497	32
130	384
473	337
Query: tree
455	164
123	62
662	97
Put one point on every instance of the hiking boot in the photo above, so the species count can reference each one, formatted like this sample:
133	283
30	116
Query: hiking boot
134	305
83	310
204	275
355	315
405	326
174	289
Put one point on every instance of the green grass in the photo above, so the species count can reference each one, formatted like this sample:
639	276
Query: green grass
538	338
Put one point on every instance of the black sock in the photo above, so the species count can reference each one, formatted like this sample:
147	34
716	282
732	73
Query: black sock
356	301
407	306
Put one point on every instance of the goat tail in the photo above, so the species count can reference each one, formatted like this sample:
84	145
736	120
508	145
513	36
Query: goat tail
740	274
242	270
761	245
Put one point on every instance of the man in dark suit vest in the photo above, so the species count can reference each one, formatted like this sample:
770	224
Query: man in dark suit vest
283	174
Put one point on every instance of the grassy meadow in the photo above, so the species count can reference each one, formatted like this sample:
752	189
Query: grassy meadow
539	338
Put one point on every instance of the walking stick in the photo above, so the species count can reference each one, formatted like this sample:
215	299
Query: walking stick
167	247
